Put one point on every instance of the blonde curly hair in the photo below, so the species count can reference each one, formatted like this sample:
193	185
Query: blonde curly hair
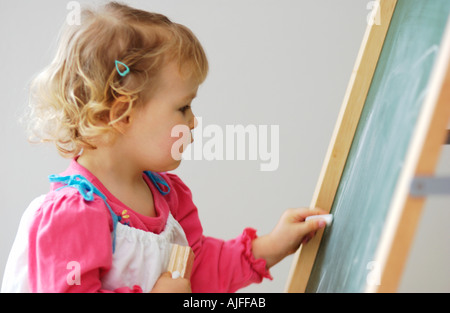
71	100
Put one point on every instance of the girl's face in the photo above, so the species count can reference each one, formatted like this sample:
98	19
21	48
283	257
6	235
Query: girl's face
148	137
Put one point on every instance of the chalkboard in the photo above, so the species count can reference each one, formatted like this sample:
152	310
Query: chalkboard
393	103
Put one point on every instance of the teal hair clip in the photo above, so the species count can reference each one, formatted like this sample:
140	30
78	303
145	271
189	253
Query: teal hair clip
122	73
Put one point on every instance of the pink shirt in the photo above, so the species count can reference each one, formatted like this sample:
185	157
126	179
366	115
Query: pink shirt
67	228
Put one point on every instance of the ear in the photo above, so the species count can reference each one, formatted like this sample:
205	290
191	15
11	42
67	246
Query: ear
120	115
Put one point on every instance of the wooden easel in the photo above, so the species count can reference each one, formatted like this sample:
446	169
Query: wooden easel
429	135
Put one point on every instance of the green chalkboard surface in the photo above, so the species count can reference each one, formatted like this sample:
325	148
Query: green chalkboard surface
399	85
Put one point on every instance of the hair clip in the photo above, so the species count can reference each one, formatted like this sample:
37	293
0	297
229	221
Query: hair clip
122	73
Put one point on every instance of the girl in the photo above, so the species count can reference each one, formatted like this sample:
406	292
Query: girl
119	84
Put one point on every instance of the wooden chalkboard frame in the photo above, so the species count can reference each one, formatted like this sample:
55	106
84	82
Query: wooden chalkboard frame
422	157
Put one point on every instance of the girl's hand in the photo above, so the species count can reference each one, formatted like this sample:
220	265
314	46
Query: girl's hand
166	284
288	234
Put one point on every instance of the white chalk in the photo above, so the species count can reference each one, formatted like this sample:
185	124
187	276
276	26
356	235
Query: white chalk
176	275
328	218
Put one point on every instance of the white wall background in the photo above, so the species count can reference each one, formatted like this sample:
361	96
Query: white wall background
284	62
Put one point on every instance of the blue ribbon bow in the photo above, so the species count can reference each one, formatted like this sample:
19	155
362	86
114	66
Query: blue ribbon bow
157	180
87	191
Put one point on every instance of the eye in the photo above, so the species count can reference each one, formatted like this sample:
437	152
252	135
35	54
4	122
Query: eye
184	109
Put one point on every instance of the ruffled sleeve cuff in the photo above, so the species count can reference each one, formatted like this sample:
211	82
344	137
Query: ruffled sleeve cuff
258	265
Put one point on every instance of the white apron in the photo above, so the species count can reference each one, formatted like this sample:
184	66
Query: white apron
139	257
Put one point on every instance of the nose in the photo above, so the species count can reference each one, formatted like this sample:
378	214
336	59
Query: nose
193	123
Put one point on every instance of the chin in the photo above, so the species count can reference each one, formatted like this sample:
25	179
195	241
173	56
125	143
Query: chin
169	167
175	165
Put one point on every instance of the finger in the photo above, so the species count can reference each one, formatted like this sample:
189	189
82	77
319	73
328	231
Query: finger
302	213
166	274
314	225
311	228
306	239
